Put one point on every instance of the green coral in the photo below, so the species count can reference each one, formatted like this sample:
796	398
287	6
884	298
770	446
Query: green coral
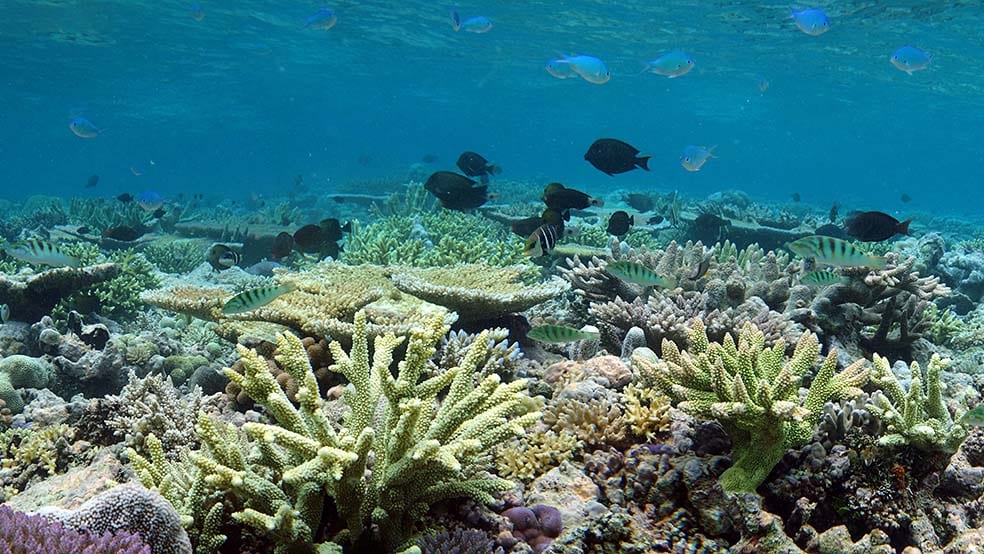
919	416
118	297
752	391
180	367
422	450
18	372
176	255
433	239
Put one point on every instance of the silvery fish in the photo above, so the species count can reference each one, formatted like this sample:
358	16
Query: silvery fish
671	64
560	69
638	274
254	298
322	19
910	58
476	24
823	277
590	68
812	21
834	252
561	334
4	313
39	252
694	157
84	128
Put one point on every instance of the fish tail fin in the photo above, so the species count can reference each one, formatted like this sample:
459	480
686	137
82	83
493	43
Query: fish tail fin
710	151
495	169
347	227
903	227
643	162
598	202
455	19
645	68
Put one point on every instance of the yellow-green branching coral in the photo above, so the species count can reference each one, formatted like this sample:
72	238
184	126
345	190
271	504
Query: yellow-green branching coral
753	392
422	450
918	416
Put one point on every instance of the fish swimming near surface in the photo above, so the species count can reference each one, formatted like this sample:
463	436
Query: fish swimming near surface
83	128
221	257
323	19
542	241
125	233
560	69
255	298
561	198
671	64
874	226
473	164
823	278
834	252
561	334
612	156
196	12
92	181
619	223
4	313
637	273
694	157
812	21
910	59
589	68
973	417
474	24
39	252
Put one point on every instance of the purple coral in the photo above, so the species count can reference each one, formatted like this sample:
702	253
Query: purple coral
21	533
537	526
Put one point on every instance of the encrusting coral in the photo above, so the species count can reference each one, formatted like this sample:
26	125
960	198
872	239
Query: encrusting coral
918	416
422	450
752	391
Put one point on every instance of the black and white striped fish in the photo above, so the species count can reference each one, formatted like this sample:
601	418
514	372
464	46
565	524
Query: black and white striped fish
834	252
254	298
39	252
542	241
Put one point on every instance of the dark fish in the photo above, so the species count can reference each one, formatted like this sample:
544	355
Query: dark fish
905	198
125	198
310	238
613	156
561	198
701	269
221	257
796	197
710	221
656	220
830	230
526	226
620	222
83	230
541	242
456	192
639	201
283	245
473	164
874	226
124	233
92	182
555	217
264	268
833	212
159	213
428	158
333	229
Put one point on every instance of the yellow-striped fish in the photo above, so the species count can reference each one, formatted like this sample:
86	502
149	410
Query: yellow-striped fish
561	334
638	274
834	252
823	277
39	252
254	298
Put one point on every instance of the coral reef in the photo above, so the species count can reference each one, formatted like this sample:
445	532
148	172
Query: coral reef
31	295
19	371
151	405
21	533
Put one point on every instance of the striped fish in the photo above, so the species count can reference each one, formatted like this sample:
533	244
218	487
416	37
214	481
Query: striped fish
561	334
834	252
823	277
254	298
541	242
638	274
39	252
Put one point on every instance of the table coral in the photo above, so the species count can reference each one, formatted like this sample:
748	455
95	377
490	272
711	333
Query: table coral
31	295
477	291
752	391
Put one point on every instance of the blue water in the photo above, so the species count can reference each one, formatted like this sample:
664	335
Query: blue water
245	99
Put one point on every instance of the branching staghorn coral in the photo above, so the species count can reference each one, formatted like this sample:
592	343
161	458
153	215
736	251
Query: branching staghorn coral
422	450
752	391
535	453
918	416
151	405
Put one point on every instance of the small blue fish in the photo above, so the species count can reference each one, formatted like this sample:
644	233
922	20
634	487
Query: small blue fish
196	12
323	19
671	64
560	69
590	68
475	24
150	200
812	21
694	157
84	128
910	59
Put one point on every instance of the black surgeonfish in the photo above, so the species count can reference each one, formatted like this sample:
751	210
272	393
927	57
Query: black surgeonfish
611	156
456	192
473	164
561	198
874	226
